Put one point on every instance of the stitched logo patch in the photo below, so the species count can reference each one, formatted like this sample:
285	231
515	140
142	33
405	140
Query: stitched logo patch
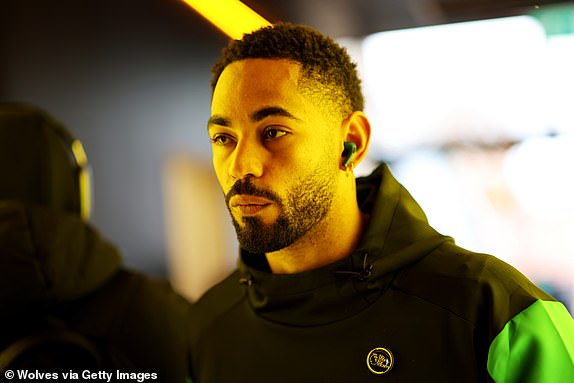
380	360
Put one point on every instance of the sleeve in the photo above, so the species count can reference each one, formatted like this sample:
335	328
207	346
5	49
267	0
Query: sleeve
536	345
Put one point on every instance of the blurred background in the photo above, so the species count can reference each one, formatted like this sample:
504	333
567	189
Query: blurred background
471	103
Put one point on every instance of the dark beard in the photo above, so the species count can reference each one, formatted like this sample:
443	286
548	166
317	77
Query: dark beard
308	203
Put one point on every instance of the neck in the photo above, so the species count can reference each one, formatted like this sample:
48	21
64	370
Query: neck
331	240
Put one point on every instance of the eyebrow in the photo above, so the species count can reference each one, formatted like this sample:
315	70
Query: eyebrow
218	120
256	116
271	111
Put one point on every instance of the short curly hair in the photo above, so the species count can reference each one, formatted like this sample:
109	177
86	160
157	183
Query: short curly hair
323	61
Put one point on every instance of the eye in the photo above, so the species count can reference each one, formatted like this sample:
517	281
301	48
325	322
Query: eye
272	133
221	139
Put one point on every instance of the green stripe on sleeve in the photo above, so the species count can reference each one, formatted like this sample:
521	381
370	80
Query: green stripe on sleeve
537	345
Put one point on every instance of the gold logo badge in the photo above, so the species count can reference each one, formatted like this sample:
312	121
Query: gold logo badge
380	361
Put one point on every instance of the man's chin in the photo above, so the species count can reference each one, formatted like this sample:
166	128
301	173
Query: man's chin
258	238
256	246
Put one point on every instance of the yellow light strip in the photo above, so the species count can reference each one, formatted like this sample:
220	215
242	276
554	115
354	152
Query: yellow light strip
231	16
83	179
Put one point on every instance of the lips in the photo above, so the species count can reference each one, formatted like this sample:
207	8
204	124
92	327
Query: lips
249	205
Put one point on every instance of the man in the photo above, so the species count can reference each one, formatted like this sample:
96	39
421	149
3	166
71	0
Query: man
343	280
61	283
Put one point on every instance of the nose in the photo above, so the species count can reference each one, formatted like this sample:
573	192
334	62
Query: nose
247	159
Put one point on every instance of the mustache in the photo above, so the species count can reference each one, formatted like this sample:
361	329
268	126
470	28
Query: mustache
246	187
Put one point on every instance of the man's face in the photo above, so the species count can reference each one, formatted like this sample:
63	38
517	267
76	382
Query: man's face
275	153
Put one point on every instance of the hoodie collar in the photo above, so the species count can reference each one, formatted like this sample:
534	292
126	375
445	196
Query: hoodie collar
397	236
48	257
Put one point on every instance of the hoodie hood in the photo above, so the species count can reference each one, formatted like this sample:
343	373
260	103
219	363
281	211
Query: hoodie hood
49	257
398	235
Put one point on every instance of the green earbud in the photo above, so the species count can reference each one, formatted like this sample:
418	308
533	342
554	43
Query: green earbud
349	150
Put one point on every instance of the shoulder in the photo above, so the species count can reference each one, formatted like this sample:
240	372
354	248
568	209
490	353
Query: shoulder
132	303
471	285
216	302
140	321
133	289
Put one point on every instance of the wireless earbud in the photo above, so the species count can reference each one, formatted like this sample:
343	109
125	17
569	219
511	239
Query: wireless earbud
349	150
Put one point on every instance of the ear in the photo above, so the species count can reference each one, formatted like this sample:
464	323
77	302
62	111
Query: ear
357	129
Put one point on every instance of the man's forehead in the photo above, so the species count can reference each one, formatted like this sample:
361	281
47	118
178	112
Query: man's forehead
255	83
262	68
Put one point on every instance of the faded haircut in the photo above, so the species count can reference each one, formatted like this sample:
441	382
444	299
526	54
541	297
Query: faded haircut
327	69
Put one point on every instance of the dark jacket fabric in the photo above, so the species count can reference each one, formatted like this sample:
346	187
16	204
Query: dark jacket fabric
407	305
53	262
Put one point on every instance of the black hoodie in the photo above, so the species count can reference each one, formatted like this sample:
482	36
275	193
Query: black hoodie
53	262
407	305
